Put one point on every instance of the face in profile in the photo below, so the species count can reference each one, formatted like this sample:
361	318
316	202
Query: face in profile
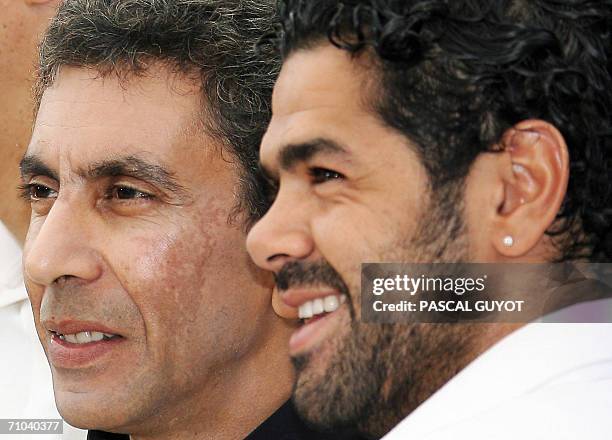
350	190
144	297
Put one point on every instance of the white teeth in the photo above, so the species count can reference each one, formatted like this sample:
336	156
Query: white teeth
305	310
96	336
331	303
320	305
85	337
71	338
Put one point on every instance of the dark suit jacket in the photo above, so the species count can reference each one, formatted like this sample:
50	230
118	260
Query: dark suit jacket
284	424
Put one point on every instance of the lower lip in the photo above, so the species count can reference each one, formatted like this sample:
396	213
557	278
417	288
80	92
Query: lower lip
63	354
308	336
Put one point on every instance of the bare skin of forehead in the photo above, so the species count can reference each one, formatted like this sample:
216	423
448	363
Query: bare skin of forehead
155	107
143	91
324	74
316	84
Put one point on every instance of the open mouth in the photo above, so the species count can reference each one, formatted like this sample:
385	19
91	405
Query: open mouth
82	344
84	337
318	308
317	312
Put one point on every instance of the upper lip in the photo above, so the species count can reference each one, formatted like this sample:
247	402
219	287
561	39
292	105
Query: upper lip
69	327
297	297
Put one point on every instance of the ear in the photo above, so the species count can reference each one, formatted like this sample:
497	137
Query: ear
281	308
535	183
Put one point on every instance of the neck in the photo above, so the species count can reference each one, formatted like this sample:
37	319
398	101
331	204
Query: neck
464	342
237	400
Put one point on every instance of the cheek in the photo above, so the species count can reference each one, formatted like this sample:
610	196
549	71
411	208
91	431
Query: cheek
36	294
35	291
353	234
165	274
340	241
348	236
191	284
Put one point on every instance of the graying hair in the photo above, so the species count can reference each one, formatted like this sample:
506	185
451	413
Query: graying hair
216	39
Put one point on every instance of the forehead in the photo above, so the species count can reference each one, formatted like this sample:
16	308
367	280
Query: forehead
322	89
324	76
85	116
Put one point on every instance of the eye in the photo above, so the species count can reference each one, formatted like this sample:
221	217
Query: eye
322	175
128	193
35	191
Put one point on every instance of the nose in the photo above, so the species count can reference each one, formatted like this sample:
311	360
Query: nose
283	234
60	247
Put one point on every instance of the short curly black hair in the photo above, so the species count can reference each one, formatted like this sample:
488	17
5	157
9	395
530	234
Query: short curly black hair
215	39
456	74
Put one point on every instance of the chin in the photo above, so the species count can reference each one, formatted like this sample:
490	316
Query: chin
91	410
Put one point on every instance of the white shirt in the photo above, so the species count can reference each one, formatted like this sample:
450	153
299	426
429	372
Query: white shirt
26	389
543	381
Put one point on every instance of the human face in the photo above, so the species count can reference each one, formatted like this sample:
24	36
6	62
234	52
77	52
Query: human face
351	190
129	236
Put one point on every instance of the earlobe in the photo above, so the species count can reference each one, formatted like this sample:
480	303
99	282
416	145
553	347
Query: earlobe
534	187
282	309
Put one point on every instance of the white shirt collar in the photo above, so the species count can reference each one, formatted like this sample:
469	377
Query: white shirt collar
528	358
11	278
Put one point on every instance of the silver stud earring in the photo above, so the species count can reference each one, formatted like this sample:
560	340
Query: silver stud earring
508	241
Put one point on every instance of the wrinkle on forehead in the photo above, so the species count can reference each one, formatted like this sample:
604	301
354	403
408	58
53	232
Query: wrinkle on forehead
158	95
95	118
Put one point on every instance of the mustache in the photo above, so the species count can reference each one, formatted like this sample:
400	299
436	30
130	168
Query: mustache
71	301
296	274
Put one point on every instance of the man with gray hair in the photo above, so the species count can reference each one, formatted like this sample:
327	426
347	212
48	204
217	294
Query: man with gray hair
142	177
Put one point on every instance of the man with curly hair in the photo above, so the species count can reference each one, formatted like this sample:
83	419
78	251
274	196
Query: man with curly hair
440	131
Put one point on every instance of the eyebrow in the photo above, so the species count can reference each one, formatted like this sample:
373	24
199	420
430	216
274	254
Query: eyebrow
129	166
292	154
33	166
138	168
